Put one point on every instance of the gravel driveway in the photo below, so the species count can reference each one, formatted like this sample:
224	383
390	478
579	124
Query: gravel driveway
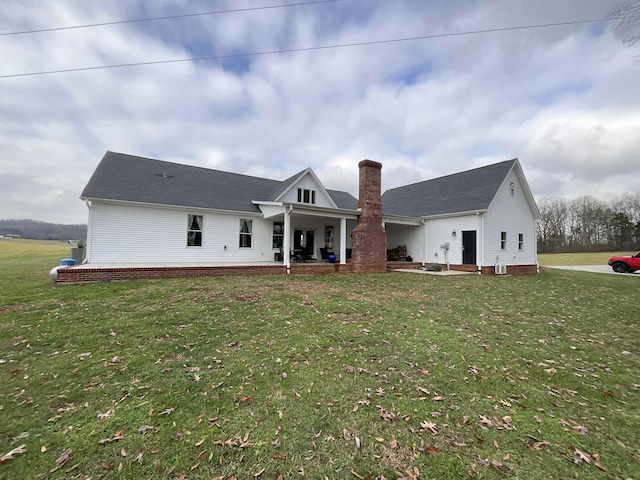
596	269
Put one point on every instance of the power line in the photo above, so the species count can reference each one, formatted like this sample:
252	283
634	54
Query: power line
305	49
168	17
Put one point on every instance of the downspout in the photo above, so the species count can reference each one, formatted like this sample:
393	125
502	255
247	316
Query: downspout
481	242
535	245
343	241
87	252
424	243
287	237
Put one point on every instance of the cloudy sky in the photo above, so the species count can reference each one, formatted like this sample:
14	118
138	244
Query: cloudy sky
565	100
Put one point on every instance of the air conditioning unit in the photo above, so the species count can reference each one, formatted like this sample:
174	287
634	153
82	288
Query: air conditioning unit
500	269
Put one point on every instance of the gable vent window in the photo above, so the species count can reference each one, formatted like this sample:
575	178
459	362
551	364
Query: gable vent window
194	231
512	189
503	240
246	228
306	196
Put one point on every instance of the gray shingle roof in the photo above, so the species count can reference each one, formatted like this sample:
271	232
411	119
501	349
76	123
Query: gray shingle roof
459	192
145	180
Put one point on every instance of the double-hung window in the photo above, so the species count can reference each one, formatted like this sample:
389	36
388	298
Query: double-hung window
194	231
521	241
278	234
246	229
503	240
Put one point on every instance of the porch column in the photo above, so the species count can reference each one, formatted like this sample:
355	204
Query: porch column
287	236
343	240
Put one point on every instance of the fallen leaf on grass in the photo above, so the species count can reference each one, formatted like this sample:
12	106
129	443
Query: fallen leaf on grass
581	457
16	451
143	429
596	462
201	455
580	430
540	445
387	416
62	459
507	420
485	422
423	390
429	427
168	411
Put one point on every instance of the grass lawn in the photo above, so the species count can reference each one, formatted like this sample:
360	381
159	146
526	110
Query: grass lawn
572	259
343	376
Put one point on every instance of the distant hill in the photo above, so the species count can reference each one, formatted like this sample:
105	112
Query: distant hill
37	230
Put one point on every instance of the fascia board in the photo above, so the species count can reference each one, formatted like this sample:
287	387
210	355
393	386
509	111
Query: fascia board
171	207
454	214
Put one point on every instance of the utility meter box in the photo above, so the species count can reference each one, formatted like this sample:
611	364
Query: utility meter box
445	246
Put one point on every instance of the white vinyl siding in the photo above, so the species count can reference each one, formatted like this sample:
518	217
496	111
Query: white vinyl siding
440	231
138	234
307	183
512	214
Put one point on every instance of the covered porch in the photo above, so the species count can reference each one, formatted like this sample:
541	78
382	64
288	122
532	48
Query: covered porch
304	234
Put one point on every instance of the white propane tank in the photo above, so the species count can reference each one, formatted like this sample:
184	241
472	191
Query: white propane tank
53	273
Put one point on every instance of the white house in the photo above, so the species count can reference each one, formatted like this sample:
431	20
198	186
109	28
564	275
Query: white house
147	212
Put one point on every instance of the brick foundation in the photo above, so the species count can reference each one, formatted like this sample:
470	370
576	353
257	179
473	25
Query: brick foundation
490	270
513	270
86	275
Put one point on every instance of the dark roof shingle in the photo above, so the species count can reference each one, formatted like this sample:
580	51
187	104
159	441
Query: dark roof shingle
459	192
138	179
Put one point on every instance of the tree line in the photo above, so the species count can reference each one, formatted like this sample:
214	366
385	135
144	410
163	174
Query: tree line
37	230
588	224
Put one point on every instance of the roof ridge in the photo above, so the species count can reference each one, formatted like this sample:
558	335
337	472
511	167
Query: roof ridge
184	165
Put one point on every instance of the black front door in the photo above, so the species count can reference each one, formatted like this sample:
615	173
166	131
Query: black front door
303	243
469	247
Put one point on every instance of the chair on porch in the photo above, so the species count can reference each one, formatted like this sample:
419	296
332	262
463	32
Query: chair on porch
324	253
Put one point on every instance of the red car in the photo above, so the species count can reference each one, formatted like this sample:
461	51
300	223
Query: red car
625	264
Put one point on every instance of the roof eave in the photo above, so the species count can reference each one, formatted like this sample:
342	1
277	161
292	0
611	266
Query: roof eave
168	206
454	214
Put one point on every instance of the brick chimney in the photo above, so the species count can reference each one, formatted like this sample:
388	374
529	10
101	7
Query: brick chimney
369	239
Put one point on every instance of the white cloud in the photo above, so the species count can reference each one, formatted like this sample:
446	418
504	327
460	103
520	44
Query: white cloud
562	99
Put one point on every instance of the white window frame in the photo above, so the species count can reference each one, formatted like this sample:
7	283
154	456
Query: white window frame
503	240
306	195
192	233
246	237
277	237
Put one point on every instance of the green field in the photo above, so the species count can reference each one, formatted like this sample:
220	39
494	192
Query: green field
572	259
342	376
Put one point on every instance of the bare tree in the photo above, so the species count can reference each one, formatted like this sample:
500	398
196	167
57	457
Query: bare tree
588	224
626	19
552	234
